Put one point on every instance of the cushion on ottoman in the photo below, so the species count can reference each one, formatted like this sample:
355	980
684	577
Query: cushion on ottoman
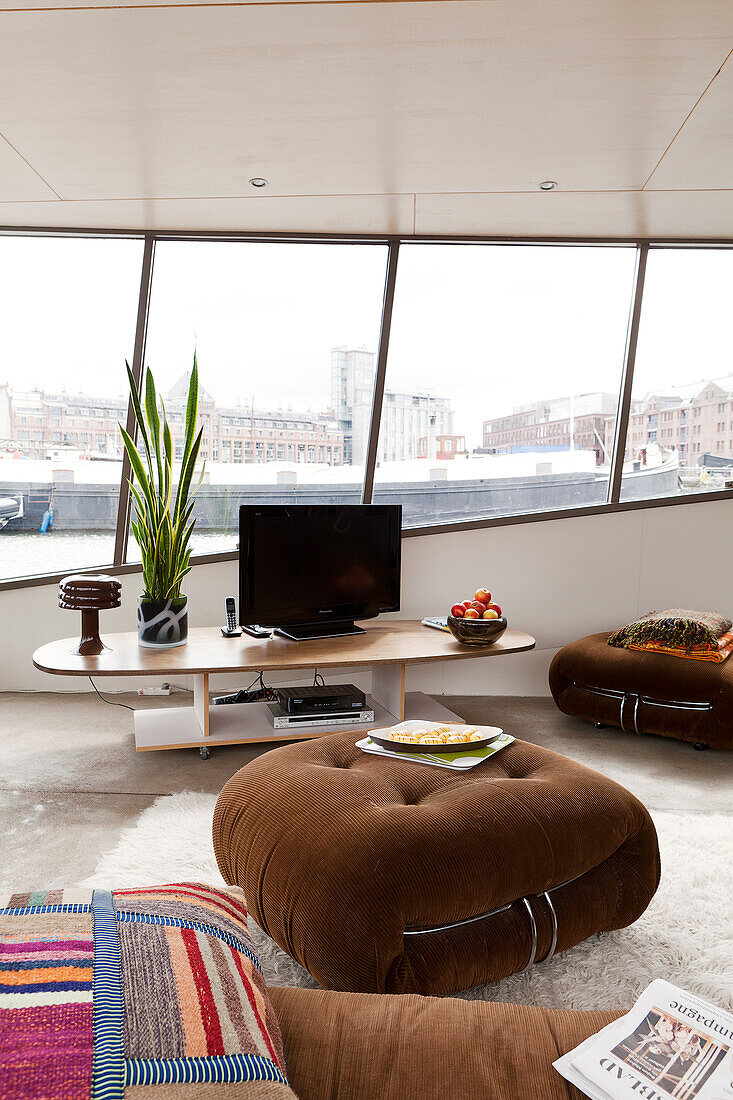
134	994
429	1048
380	875
645	692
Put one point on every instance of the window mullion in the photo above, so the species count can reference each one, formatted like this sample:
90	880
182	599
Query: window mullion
627	380
381	372
141	329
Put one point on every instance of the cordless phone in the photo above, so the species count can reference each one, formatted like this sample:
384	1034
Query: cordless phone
231	630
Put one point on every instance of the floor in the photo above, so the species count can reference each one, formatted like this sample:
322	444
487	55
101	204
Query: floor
70	779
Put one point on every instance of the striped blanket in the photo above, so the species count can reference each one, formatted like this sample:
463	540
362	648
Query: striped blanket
112	996
718	651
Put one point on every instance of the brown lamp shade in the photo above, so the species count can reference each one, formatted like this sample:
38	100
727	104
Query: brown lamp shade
90	594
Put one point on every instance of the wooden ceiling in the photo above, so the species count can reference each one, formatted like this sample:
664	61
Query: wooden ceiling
427	117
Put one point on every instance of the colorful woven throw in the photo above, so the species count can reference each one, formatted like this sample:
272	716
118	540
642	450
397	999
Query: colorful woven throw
104	996
676	628
719	652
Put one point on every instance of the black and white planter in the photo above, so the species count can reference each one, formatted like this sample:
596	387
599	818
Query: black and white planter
162	624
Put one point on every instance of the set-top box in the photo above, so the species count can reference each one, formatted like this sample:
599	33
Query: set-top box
321	699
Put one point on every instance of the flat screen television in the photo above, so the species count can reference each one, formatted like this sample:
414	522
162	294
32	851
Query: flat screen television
310	570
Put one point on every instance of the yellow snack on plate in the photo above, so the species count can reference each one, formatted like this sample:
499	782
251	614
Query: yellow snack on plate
476	736
430	739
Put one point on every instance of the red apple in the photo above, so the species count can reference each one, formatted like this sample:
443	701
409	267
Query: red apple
489	613
495	607
478	606
471	613
483	595
467	603
457	611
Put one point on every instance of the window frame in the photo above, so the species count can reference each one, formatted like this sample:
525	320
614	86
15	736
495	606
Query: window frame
642	245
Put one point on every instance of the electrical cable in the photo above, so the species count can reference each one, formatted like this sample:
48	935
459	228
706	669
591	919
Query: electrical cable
112	702
318	680
261	693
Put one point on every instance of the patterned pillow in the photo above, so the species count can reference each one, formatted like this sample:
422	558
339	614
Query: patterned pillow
675	627
137	994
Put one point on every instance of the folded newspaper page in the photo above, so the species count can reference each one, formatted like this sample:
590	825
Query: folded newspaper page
671	1044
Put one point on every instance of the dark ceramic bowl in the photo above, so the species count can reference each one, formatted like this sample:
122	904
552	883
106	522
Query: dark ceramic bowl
476	631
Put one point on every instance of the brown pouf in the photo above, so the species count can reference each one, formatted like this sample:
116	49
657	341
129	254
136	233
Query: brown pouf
380	875
645	692
356	1046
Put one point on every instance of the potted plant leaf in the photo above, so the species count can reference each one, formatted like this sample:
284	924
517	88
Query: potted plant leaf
163	519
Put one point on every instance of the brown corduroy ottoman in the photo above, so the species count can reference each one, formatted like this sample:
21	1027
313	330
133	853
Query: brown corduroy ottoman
380	875
356	1046
645	692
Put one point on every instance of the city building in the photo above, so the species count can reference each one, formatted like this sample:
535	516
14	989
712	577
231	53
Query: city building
406	417
696	419
38	424
578	422
35	423
352	384
443	446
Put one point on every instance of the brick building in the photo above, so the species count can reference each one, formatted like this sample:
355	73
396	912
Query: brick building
443	446
39	424
554	425
696	419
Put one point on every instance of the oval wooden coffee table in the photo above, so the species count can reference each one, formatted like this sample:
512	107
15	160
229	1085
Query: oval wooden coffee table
387	647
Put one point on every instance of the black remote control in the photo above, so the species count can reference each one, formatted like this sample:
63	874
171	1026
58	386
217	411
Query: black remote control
257	631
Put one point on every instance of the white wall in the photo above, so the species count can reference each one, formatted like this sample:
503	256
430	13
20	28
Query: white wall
557	580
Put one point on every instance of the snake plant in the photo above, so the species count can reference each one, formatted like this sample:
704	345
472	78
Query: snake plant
163	522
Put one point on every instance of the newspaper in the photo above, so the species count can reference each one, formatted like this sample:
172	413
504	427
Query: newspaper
671	1044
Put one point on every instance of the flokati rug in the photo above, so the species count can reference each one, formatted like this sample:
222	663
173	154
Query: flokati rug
685	936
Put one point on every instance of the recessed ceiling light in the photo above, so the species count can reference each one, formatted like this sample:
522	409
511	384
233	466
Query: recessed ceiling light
548	185
259	182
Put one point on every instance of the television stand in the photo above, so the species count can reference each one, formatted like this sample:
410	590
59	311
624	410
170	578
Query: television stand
386	648
304	632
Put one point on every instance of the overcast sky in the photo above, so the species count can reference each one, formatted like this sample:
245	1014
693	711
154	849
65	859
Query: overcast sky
488	327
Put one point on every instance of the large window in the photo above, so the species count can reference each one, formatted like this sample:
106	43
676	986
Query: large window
285	335
503	379
680	433
470	381
67	323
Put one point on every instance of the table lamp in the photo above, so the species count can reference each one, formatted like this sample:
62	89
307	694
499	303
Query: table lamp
89	594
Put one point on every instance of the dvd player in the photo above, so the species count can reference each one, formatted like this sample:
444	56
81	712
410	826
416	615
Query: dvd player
282	720
321	699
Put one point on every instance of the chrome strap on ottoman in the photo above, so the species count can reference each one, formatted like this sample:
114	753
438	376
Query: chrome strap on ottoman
380	875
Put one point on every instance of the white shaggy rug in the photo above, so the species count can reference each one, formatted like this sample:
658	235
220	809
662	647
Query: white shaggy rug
685	936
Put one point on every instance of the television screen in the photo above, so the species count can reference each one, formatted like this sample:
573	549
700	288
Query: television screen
318	563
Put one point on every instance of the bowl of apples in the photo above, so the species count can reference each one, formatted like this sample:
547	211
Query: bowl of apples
477	621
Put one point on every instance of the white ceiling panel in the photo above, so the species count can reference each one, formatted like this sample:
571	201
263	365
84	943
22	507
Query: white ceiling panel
338	214
702	214
623	214
17	179
354	99
702	153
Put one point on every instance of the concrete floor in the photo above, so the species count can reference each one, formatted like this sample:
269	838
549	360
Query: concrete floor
71	781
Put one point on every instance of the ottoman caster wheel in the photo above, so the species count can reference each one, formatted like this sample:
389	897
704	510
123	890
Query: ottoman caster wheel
700	746
204	753
600	725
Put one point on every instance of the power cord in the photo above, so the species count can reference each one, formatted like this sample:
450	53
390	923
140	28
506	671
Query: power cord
318	680
261	694
112	702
